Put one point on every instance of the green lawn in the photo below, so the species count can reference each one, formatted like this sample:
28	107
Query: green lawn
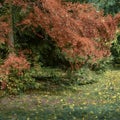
97	101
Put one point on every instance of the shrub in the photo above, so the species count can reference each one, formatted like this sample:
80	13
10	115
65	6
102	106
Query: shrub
115	50
14	77
101	65
82	77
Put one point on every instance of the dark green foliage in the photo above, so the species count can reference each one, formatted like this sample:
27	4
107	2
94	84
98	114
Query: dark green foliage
109	6
57	80
101	65
82	77
44	50
19	84
81	1
3	52
89	112
115	50
49	79
2	10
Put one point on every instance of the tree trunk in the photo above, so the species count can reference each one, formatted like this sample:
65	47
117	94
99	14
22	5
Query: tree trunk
11	22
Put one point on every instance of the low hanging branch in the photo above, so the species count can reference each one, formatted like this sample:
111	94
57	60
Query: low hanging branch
79	29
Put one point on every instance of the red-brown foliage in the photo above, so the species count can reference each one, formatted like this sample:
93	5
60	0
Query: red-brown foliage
13	62
4	29
79	29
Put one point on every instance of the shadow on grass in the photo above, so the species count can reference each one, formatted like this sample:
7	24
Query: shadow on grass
105	112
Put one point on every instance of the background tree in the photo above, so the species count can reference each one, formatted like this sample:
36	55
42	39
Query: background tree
109	6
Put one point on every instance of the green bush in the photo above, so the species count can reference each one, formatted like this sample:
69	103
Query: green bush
115	50
101	65
19	84
82	77
15	74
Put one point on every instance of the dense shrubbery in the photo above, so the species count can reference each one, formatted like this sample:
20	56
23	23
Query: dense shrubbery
115	50
82	77
13	74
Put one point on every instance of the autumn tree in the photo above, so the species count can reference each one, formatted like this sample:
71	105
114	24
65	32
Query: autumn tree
82	32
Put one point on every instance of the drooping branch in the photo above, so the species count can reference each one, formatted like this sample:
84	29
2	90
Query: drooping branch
78	29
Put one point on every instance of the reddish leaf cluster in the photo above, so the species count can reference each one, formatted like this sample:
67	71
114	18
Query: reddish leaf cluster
13	62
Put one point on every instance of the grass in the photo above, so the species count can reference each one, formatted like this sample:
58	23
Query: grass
97	101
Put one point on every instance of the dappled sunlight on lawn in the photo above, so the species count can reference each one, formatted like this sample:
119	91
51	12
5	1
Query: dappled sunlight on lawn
98	101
